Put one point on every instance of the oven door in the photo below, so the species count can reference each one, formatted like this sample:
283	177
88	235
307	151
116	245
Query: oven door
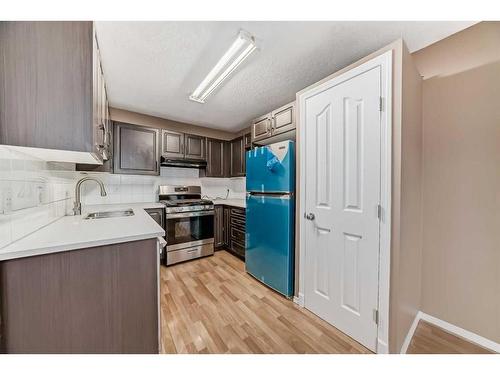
189	229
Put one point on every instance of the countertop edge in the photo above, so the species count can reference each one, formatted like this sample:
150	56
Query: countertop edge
230	202
77	246
45	249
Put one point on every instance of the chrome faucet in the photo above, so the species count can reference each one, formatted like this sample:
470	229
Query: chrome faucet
77	208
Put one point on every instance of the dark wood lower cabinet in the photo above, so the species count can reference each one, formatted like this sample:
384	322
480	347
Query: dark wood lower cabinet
96	300
229	229
219	227
237	231
227	224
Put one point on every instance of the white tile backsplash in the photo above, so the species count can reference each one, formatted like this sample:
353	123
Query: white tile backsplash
34	193
136	189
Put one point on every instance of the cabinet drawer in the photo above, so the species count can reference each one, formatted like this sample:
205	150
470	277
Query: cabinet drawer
238	213
238	235
238	222
238	248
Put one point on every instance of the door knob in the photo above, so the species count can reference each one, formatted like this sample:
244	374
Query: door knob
310	216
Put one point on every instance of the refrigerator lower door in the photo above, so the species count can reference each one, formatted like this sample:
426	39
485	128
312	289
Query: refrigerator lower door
270	250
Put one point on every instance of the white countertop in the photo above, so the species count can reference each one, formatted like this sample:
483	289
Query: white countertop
72	232
231	202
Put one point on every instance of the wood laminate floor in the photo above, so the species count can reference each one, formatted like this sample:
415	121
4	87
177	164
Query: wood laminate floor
429	339
211	305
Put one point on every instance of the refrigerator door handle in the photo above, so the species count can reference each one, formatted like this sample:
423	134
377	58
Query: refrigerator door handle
270	194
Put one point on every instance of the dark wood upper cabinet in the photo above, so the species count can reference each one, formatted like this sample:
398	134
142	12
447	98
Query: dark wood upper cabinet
227	159
248	141
215	158
172	144
281	121
237	157
195	146
177	145
261	127
136	149
52	89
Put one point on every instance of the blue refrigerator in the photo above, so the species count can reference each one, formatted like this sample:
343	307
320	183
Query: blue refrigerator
270	215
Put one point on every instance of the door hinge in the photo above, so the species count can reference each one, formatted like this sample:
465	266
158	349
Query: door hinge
379	211
375	316
381	104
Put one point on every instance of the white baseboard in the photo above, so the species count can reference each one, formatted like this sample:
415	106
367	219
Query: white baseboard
411	332
467	335
382	347
451	328
299	300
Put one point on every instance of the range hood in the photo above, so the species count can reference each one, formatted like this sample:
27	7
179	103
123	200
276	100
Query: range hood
183	163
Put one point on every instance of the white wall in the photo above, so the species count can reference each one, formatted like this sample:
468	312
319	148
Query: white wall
34	193
461	174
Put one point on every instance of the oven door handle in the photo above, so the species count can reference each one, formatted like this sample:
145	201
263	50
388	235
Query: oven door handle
189	214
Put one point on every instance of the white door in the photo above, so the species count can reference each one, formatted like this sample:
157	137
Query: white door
342	190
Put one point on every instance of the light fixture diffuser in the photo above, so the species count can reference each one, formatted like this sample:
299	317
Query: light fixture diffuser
241	48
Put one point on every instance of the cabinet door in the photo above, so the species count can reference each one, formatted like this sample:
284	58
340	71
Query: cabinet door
96	91
46	85
136	149
102	147
237	160
261	128
219	226
215	158
227	159
195	146
156	214
172	144
283	119
248	141
227	225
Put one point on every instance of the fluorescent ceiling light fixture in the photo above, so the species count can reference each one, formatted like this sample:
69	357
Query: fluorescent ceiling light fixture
241	48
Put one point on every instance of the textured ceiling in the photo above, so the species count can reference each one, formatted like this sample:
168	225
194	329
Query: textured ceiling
152	67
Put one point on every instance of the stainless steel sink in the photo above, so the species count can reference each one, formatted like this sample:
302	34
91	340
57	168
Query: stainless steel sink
108	214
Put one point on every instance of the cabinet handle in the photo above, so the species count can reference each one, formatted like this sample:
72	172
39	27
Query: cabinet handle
108	143
101	146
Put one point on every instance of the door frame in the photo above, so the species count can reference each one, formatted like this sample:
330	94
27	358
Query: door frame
384	60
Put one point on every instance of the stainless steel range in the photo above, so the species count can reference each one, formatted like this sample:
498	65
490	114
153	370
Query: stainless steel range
189	223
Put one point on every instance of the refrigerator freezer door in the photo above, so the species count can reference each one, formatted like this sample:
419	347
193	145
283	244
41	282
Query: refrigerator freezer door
269	253
271	168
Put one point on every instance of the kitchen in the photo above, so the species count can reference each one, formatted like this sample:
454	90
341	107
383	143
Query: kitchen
129	230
